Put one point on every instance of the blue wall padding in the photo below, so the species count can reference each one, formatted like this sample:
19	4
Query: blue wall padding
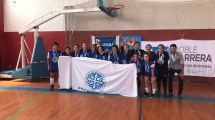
111	13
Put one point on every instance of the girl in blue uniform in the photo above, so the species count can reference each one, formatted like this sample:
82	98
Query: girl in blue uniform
140	72
115	56
138	50
149	73
76	52
52	60
67	52
152	54
152	58
93	53
101	55
85	52
126	55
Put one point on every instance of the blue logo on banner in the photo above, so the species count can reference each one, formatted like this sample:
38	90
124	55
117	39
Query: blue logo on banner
95	80
107	43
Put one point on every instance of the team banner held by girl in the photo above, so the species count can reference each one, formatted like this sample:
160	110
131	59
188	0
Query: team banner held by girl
93	75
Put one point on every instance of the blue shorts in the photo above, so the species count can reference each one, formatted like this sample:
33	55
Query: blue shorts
53	69
150	74
147	74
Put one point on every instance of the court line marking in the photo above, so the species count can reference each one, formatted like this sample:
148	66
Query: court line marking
140	109
196	84
13	116
193	99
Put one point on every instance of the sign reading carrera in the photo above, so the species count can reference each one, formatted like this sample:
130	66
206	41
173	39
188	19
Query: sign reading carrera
199	57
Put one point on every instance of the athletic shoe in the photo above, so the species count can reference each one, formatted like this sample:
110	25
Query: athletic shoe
152	95
158	93
51	87
170	95
146	94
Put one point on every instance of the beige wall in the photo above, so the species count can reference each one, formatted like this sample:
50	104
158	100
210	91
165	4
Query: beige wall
137	16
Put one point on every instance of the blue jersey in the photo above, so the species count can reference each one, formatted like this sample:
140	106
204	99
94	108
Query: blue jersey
140	67
116	58
85	53
139	51
103	56
93	55
53	60
74	54
152	56
65	54
148	66
126	57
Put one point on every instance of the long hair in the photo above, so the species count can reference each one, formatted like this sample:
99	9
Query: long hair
117	48
94	45
68	48
100	47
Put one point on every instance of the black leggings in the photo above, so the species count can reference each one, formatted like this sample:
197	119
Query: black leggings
181	81
162	78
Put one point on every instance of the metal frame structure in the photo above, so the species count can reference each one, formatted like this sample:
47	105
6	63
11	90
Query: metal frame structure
37	62
33	69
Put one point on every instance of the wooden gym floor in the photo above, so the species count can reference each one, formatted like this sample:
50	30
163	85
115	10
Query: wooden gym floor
23	100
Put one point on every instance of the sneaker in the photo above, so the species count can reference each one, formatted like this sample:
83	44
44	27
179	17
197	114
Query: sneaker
180	97
152	95
158	93
146	94
51	87
170	95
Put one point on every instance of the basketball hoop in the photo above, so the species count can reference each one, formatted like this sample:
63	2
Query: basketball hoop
118	7
119	10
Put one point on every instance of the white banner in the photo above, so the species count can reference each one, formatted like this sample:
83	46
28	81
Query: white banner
86	74
199	55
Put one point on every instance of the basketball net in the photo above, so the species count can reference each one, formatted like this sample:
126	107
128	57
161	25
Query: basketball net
68	18
119	11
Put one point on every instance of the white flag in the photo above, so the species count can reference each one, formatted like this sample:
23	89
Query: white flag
98	76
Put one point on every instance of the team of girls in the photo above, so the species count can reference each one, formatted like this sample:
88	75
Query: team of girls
152	68
142	59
